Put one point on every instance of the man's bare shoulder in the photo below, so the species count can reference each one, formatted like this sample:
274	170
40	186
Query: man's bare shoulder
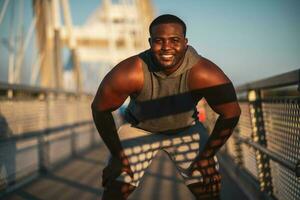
128	71
206	74
130	67
124	79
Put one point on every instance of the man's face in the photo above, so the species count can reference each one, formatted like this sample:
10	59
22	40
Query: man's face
168	45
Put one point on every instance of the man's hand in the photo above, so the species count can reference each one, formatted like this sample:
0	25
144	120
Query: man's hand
211	177
116	166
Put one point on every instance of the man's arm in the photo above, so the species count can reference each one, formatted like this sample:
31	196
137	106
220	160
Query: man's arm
222	99
123	80
208	81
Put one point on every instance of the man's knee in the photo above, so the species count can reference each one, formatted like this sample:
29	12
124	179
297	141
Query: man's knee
206	191
117	191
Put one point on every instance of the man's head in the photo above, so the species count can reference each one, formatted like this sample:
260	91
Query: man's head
167	19
168	42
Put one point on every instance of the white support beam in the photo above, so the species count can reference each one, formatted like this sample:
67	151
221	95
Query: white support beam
68	23
12	46
3	10
55	12
22	51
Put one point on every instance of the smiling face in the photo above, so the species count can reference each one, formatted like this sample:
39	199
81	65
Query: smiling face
168	46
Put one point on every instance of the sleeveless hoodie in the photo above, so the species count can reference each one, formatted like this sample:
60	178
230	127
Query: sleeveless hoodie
165	102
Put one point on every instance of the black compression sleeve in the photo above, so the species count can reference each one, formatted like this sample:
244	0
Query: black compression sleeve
106	127
220	94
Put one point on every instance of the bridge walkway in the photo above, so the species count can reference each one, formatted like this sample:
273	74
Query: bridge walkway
80	178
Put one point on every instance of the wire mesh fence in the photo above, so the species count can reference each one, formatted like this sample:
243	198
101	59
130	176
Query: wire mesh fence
40	128
266	142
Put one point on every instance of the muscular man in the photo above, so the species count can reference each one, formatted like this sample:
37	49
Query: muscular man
164	84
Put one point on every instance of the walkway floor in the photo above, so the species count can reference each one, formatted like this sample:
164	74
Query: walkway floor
80	179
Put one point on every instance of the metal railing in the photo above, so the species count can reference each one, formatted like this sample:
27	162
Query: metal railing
266	143
39	130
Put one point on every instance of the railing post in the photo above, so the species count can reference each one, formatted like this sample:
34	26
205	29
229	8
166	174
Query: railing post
238	149
244	104
259	136
43	139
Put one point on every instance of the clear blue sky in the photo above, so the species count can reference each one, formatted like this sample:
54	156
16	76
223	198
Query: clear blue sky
249	40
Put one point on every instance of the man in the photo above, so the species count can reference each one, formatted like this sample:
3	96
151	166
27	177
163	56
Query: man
165	84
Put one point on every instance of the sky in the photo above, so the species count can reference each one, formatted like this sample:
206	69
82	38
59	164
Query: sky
248	40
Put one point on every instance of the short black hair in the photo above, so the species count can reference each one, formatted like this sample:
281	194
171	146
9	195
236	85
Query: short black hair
165	19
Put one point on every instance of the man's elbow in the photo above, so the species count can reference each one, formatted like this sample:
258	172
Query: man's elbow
98	106
238	111
234	112
94	106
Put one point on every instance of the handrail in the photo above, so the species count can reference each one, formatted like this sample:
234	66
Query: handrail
34	89
289	78
258	98
46	131
272	155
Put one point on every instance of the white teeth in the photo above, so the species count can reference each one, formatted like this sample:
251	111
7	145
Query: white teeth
167	56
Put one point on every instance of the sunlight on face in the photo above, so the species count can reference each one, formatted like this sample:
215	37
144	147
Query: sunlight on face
168	46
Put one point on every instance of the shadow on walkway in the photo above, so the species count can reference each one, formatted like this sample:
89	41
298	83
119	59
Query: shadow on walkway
81	179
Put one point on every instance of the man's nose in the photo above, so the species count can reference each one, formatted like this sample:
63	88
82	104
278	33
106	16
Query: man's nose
166	45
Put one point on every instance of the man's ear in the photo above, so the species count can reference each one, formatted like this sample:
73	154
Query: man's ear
186	42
